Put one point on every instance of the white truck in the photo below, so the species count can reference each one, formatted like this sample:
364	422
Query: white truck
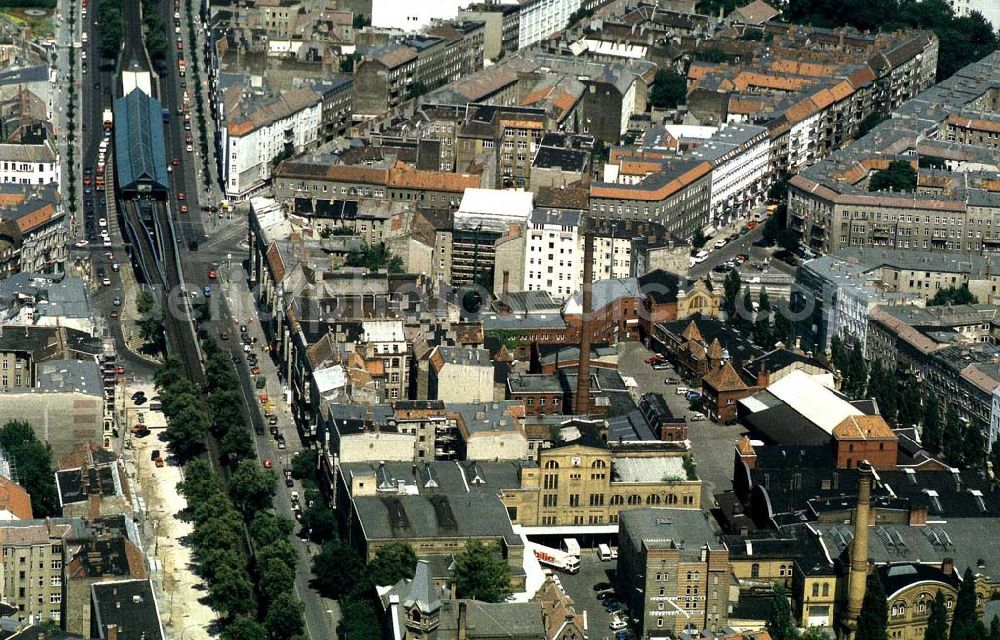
566	559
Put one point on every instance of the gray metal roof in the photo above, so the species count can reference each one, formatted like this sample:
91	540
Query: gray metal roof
454	505
948	262
687	530
51	295
140	151
482	417
71	375
422	592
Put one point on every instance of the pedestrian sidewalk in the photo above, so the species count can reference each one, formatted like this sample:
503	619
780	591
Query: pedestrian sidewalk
214	194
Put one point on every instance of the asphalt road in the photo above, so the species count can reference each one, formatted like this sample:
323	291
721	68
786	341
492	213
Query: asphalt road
218	242
580	588
743	244
320	615
712	445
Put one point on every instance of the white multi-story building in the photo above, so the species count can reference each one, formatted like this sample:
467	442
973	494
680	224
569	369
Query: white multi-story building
740	156
413	16
548	255
384	340
553	252
28	164
251	140
994	432
989	8
541	18
802	142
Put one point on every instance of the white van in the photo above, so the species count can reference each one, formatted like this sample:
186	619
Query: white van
701	256
604	551
682	391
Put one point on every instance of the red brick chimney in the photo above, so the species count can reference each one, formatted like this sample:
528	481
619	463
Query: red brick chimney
582	404
948	566
762	377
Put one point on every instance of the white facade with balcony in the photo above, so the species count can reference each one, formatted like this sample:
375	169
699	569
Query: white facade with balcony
802	140
739	180
251	144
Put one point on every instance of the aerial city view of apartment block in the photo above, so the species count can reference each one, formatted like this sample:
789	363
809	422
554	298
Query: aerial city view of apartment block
500	319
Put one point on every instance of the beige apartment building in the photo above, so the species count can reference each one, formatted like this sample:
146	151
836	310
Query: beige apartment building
34	552
948	135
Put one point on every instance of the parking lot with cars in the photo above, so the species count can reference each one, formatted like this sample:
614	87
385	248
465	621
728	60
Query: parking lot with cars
712	445
599	608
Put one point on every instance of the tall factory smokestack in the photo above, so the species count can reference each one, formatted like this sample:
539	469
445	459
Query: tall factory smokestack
858	577
583	370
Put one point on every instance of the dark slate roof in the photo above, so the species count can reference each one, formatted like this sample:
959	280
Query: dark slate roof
130	606
781	424
660	285
70	483
777	360
793	457
900	576
947	495
590	435
631	427
50	343
558	157
140	151
104	556
40	632
740	348
765	545
335	209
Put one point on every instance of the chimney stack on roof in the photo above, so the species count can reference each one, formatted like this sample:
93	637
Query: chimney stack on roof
582	404
858	577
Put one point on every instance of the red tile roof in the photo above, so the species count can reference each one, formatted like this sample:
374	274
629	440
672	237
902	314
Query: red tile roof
606	190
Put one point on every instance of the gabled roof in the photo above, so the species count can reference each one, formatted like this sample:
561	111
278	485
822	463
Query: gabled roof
14	499
725	378
757	12
140	151
863	428
692	333
715	350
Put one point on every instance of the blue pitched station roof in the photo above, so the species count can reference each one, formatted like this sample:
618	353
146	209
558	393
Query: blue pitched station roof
140	150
